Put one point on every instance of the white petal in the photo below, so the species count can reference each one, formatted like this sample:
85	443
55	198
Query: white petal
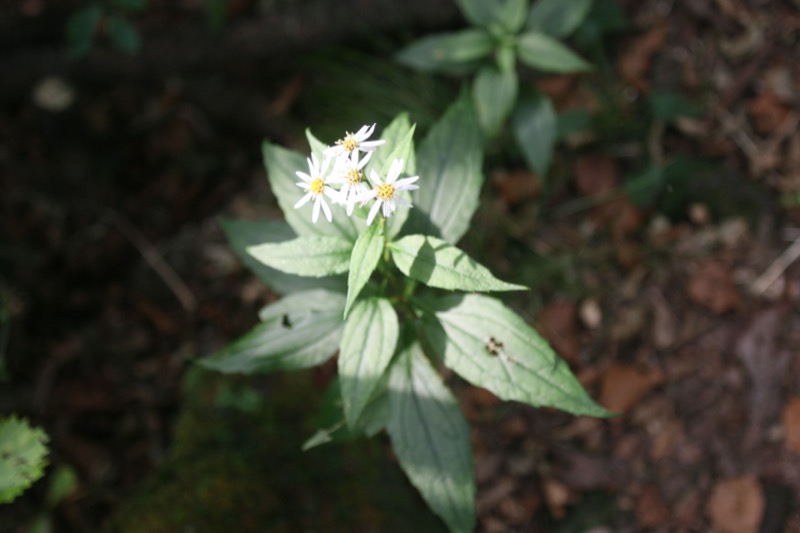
315	213
326	209
303	201
303	176
387	208
331	193
403	201
373	212
364	132
374	178
395	170
360	164
368	146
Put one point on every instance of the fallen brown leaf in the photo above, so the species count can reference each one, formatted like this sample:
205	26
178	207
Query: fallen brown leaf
736	505
624	386
635	60
517	187
558	322
595	175
767	112
651	511
712	287
791	424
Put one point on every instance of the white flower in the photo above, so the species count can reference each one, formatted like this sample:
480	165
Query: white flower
315	183
354	142
354	185
385	192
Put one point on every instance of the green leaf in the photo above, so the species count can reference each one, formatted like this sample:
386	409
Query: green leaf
81	29
510	14
431	439
494	93
394	134
535	123
558	18
668	106
572	122
366	254
644	186
443	51
242	234
297	332
330	416
399	137
369	340
505	57
123	34
306	256
449	163
23	456
492	347
542	52
477	12
281	165
439	264
317	147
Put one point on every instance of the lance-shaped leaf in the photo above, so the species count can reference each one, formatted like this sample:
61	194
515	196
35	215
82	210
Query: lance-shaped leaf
369	340
317	147
242	234
395	134
535	126
281	165
431	439
492	347
439	264
494	92
299	331
449	163
477	12
557	17
542	52
401	148
444	51
330	418
510	15
366	254
306	256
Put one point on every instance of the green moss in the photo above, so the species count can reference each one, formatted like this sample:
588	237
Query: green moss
236	465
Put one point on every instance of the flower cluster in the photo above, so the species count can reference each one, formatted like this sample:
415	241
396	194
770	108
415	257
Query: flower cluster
342	166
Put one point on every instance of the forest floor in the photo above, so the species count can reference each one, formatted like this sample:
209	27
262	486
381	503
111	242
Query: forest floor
682	312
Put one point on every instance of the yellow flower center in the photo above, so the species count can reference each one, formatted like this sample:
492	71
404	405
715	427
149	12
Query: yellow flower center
317	186
385	191
348	143
353	177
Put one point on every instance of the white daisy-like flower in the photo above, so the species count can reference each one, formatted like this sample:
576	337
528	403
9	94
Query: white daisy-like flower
354	142
354	183
385	192
315	183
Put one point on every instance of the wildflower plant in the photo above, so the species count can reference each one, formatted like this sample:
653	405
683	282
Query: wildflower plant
505	35
382	284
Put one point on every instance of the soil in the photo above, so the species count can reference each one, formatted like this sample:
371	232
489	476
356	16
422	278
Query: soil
681	311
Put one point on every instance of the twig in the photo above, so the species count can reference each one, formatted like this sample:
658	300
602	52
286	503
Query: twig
155	260
778	267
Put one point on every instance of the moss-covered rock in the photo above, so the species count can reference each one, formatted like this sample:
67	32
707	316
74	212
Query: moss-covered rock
236	465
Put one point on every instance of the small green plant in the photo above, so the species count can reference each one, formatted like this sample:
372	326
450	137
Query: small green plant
506	34
109	17
384	285
23	456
